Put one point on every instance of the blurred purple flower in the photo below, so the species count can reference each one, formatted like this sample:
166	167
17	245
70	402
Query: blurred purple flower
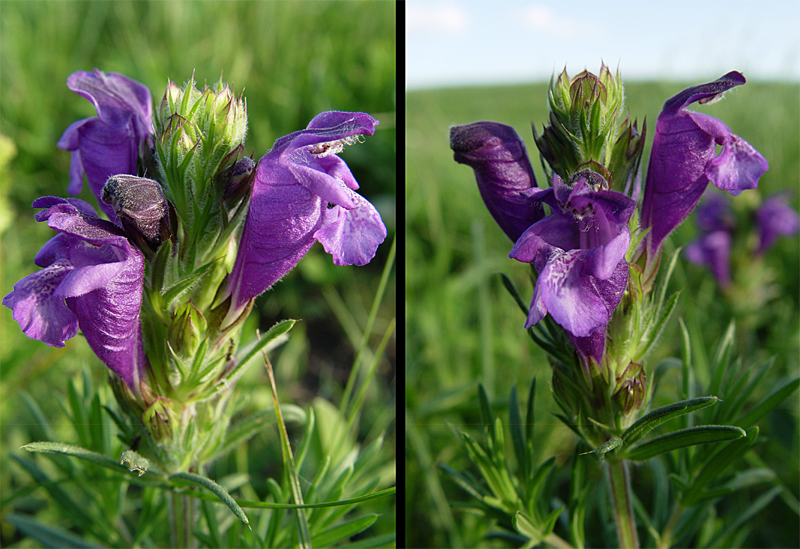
502	169
683	160
715	214
91	279
110	143
775	218
303	192
579	252
713	250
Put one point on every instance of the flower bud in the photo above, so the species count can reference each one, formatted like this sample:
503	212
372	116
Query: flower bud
236	180
141	208
199	136
583	128
198	130
630	389
187	331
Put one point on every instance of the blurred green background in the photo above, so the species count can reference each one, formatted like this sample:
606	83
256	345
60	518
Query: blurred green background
463	328
291	60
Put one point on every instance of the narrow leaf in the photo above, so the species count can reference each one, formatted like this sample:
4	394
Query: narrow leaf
537	484
215	540
686	364
665	277
466	484
683	438
654	330
655	418
529	425
386	540
343	531
722	358
745	388
243	430
216	489
485	411
517	436
278	330
77	513
48	536
771	401
525	526
718	464
756	507
74	451
679	482
42	428
549	522
79	420
514	293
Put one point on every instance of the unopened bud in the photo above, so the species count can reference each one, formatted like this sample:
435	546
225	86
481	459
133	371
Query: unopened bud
630	389
187	331
585	127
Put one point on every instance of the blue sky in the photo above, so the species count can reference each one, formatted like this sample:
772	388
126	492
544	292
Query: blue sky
457	42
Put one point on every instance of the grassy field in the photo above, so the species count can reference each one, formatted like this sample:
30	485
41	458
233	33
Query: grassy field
291	60
463	328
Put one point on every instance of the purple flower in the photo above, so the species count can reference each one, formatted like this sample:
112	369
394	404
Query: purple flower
91	279
775	218
303	192
110	143
502	169
683	160
579	252
715	214
713	250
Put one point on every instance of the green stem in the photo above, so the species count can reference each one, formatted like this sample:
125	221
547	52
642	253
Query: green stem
619	482
182	520
666	536
557	542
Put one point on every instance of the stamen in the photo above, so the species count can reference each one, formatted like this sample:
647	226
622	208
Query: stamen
334	147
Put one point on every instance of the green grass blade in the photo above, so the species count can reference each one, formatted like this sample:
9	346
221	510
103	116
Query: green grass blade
303	533
211	520
485	411
717	465
386	540
756	507
42	427
48	536
373	313
343	531
517	436
771	401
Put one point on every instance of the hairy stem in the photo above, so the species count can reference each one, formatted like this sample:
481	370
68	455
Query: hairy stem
619	482
182	520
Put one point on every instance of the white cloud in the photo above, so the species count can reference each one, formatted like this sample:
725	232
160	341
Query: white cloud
541	18
425	18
